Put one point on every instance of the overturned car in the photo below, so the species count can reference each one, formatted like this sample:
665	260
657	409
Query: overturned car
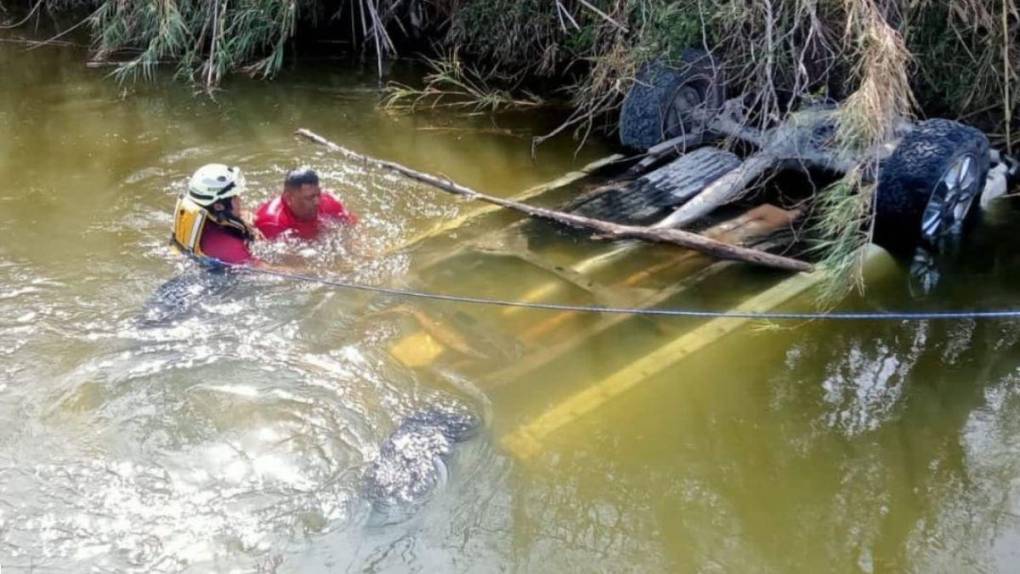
931	175
699	165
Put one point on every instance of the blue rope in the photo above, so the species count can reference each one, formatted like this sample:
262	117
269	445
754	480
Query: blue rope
655	312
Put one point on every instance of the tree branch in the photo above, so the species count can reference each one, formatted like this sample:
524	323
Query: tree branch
604	228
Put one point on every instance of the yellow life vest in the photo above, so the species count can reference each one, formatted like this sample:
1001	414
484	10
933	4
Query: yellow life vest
190	219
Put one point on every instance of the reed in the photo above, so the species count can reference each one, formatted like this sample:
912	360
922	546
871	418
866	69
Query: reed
958	58
452	84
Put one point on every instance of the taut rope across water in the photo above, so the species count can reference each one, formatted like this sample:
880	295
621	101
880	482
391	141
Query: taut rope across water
652	312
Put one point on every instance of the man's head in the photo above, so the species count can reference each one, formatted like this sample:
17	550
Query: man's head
301	193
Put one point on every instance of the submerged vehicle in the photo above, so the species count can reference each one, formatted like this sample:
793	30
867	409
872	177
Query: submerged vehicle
930	175
700	161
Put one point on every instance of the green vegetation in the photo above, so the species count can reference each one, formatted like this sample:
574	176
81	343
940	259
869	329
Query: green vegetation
959	57
845	222
450	84
206	39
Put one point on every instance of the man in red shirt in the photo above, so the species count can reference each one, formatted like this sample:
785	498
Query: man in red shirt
303	210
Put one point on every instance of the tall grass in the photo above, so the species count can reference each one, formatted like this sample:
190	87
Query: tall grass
959	57
451	84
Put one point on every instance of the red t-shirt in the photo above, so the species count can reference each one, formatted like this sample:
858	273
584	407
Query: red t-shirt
273	218
221	244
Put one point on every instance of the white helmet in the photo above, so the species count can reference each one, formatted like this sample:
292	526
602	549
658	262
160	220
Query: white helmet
214	182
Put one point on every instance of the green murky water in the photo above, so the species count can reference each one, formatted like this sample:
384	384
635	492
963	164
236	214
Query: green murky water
234	437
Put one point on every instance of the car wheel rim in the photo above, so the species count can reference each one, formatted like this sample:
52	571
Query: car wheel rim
948	207
679	119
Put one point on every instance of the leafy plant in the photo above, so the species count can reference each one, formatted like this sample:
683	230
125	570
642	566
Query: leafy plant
451	84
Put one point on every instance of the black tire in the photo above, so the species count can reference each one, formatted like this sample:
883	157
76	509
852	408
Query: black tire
914	204
658	106
654	195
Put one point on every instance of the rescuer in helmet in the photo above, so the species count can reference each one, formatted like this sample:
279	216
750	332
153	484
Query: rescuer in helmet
207	220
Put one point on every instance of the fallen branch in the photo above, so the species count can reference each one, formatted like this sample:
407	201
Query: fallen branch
604	228
39	42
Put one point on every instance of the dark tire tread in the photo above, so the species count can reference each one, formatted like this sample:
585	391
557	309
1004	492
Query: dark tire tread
908	177
653	195
643	110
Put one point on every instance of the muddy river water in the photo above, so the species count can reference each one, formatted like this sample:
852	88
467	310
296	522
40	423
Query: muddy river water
235	438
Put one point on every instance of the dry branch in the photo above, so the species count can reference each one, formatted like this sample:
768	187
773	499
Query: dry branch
604	228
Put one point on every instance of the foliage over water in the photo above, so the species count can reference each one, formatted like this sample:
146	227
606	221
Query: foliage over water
963	59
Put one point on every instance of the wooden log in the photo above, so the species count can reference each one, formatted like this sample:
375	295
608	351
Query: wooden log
756	223
738	231
604	228
456	223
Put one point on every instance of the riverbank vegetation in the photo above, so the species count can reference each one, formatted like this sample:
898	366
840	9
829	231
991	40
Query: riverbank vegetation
883	59
958	58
